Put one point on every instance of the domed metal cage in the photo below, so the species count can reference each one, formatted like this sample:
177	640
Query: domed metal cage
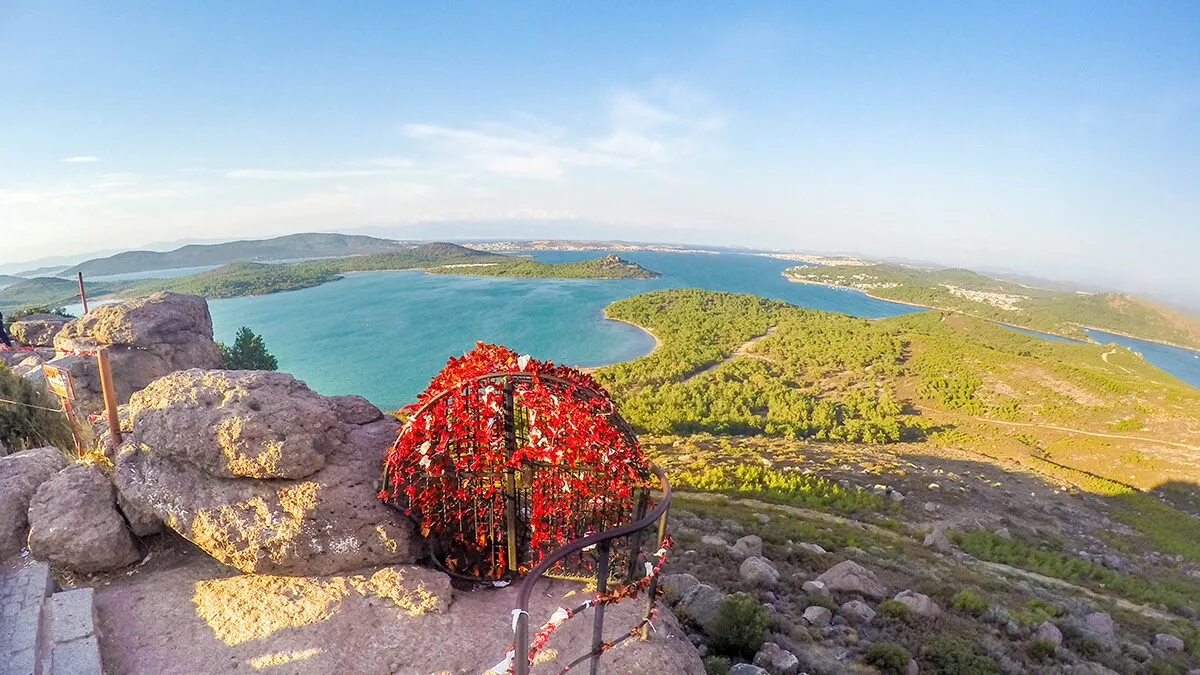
491	510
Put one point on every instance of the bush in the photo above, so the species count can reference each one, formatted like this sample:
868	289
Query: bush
30	422
888	657
716	665
1164	667
893	609
946	655
248	352
1089	647
740	627
968	602
1042	649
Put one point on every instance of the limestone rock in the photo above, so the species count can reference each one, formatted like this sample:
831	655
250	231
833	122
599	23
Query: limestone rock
1048	631
818	616
146	339
701	605
857	612
850	577
73	520
20	475
232	423
325	521
1168	643
759	571
776	661
919	604
37	330
746	547
937	541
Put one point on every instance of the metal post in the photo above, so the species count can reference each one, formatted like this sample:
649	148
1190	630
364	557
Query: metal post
601	588
82	294
110	398
635	539
521	644
510	478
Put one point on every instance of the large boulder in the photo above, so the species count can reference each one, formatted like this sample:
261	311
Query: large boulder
759	572
73	521
262	473
701	605
38	330
20	476
146	338
919	604
1100	626
850	577
776	660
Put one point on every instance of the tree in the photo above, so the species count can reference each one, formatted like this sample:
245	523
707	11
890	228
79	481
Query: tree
249	352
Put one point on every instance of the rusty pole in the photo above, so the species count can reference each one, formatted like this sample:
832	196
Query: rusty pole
82	294
110	398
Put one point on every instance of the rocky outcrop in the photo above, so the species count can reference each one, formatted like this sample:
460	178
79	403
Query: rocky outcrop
37	330
146	338
73	521
20	476
850	577
262	473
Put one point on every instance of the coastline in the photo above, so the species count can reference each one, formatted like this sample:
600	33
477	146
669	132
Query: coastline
647	331
1081	326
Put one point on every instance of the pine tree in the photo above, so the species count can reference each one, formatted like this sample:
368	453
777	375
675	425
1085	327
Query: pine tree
249	352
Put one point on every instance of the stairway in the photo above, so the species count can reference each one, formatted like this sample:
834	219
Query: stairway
43	632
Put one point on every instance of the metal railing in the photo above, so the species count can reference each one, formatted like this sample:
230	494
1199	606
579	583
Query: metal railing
602	541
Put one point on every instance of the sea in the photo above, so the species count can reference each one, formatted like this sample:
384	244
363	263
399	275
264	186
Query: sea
384	335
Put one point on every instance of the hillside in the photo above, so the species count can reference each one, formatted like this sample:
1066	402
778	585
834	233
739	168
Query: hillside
608	267
309	245
7	280
1050	311
49	291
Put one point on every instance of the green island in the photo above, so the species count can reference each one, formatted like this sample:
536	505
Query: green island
1050	311
251	278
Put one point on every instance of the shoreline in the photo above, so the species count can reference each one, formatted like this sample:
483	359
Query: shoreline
1081	326
647	331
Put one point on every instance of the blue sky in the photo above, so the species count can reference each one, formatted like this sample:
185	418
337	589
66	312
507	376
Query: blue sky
1061	139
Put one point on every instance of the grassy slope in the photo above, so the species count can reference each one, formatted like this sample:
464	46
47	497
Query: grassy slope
1057	312
599	268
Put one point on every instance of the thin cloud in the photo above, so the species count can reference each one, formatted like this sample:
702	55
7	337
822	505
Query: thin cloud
81	159
285	174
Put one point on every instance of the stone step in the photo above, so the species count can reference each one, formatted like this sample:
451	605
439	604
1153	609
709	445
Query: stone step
23	593
72	646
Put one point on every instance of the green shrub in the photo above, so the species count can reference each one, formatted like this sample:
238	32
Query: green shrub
741	626
893	609
716	665
888	657
1042	649
945	655
1164	667
248	352
1089	647
968	602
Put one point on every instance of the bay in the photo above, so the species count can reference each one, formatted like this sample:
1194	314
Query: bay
1182	363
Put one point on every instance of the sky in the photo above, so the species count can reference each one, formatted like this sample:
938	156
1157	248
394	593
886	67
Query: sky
1060	139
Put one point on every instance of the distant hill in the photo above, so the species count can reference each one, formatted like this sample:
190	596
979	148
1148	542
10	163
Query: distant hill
47	291
608	267
289	247
6	280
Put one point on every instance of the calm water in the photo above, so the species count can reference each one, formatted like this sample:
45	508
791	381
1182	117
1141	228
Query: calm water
1182	363
385	334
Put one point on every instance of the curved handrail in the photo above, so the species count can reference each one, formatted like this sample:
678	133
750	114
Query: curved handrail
521	643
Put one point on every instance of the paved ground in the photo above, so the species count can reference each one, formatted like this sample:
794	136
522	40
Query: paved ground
23	593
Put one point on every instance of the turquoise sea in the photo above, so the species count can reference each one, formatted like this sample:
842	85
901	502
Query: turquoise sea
385	334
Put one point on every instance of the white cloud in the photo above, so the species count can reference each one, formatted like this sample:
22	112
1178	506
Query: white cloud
287	174
81	159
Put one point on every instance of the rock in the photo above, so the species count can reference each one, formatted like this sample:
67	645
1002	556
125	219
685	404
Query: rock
37	330
850	577
818	616
912	668
996	615
746	547
713	540
73	521
250	423
762	518
930	507
352	409
327	521
775	660
146	339
815	588
1168	643
1114	562
1048	631
701	605
819	659
675	586
20	475
919	604
142	520
1101	627
746	669
812	548
857	612
759	571
896	496
938	541
1138	652
1003	533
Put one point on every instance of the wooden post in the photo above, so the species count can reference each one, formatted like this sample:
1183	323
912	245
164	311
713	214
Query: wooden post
110	398
66	405
82	294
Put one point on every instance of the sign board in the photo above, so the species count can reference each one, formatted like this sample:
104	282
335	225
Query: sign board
59	381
